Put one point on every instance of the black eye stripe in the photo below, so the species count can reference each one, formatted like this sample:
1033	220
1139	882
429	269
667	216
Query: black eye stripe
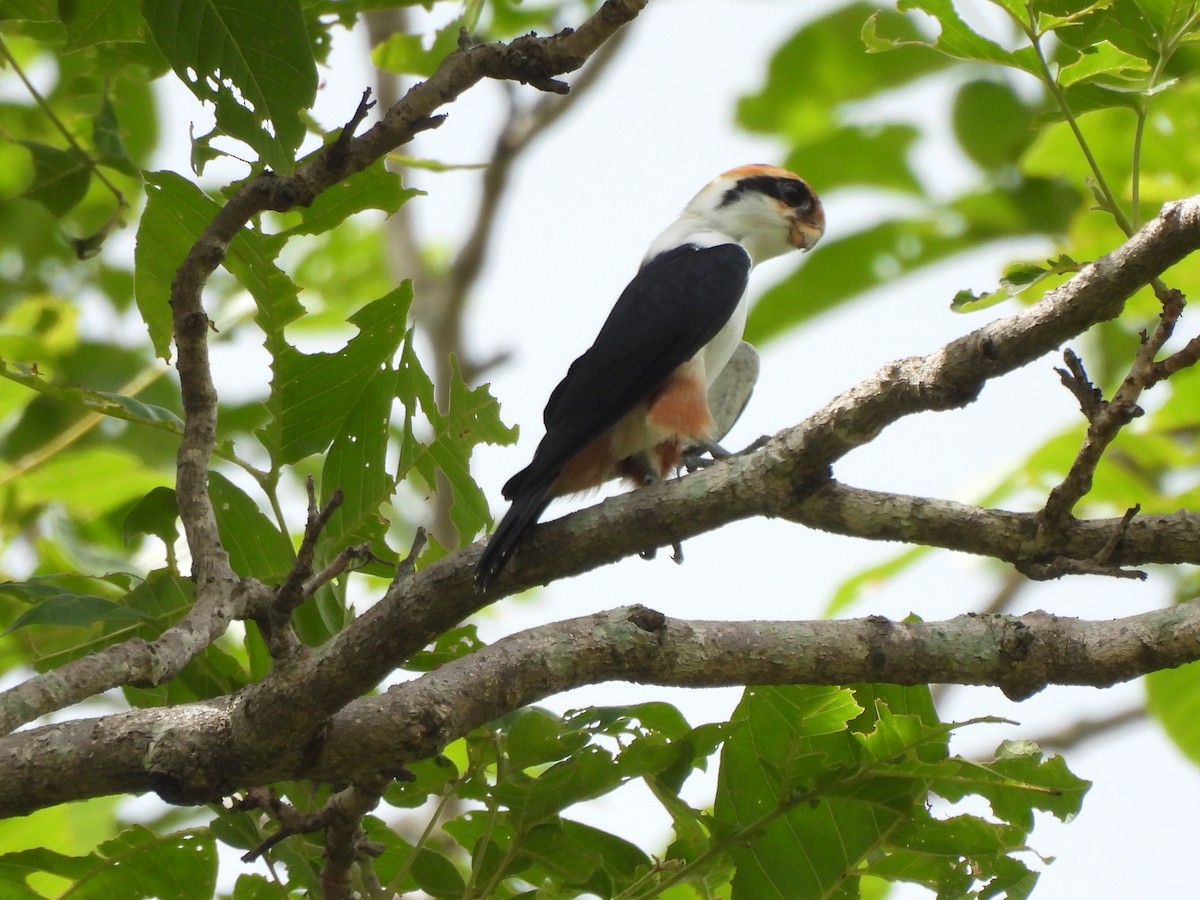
794	193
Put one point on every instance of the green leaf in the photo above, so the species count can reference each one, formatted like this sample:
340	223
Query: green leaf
31	10
436	875
256	546
136	863
252	886
91	22
68	609
430	165
155	514
406	54
789	735
106	135
1102	59
102	478
430	776
825	56
1018	278
357	465
472	417
313	394
535	736
251	259
1161	13
450	645
579	856
373	188
1017	782
60	178
814	808
145	611
956	39
1173	697
176	214
840	269
991	123
584	775
117	406
857	156
254	63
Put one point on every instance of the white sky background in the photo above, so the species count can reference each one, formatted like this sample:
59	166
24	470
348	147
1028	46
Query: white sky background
585	202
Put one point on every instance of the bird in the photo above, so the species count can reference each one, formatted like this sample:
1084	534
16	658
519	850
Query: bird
638	397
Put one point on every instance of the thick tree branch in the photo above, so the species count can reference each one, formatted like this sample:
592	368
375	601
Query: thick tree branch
204	750
186	755
787	478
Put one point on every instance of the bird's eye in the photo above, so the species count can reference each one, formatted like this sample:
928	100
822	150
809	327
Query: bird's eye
795	194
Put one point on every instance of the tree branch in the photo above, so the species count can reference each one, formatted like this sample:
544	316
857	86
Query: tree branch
277	727
134	662
528	59
1084	730
1106	419
788	478
185	754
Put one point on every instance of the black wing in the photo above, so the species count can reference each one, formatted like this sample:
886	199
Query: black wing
675	305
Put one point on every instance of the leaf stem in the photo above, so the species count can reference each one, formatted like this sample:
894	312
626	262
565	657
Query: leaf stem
76	430
393	887
86	157
1060	97
93	416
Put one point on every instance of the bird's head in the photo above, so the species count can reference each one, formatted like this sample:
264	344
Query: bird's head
766	209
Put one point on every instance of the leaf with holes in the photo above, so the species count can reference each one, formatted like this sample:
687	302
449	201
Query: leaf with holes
313	394
252	60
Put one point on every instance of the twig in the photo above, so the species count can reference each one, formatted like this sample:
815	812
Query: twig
340	818
134	662
337	152
440	303
348	559
521	129
1086	729
294	590
1105	420
1075	379
345	840
408	565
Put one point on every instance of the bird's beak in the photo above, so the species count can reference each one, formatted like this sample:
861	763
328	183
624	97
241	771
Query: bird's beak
805	233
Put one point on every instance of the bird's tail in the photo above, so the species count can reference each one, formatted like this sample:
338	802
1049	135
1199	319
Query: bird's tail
520	517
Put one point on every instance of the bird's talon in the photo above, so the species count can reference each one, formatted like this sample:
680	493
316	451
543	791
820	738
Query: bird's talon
697	460
677	553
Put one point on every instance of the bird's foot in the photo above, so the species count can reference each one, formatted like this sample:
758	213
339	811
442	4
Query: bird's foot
695	459
676	553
